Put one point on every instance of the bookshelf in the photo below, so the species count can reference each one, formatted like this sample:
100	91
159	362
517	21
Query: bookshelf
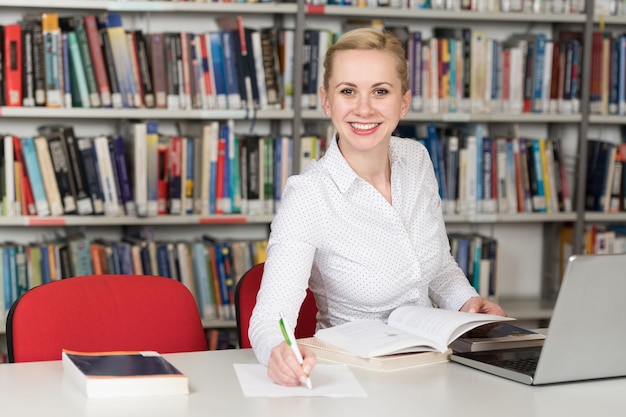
521	300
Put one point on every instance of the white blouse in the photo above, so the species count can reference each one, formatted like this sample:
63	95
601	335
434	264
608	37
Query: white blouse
361	256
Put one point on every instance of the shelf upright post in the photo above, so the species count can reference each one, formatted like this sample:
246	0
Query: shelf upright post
581	164
297	83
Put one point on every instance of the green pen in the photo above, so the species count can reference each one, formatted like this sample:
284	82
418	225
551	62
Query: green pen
291	342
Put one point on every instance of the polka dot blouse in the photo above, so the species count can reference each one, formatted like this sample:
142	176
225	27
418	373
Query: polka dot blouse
361	256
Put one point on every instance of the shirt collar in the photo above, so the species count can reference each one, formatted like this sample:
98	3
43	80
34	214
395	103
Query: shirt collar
339	170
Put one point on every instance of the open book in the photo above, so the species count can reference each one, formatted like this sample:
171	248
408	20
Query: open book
408	329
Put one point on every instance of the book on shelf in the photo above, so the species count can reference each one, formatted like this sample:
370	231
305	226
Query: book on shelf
10	196
112	24
88	155
52	58
64	177
156	48
26	197
385	363
28	80
76	168
123	374
96	51
408	329
13	64
119	159
34	175
494	336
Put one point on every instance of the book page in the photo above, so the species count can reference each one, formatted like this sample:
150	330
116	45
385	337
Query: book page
369	338
442	326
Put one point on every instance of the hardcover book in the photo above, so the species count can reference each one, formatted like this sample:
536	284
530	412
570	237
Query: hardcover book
384	363
496	336
123	374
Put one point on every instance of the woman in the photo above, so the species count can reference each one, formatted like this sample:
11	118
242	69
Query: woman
364	222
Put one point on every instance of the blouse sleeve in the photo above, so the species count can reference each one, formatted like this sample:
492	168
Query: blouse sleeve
290	254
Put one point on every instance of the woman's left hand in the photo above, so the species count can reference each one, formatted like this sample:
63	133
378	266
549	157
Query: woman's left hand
480	305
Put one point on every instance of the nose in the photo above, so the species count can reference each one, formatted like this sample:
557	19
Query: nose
364	105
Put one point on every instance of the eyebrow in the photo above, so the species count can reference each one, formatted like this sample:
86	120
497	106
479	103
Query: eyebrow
349	84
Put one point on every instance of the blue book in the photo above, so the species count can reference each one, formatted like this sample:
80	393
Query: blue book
621	89
34	175
45	264
539	56
204	290
163	265
126	258
476	255
230	71
453	99
461	252
539	200
121	167
6	274
87	153
219	71
432	145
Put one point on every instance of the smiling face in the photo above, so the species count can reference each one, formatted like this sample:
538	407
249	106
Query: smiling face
364	99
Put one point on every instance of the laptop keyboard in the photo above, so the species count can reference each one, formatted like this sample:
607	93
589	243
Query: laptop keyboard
525	365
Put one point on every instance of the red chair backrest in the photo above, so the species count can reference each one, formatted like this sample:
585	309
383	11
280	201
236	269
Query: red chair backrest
245	299
104	313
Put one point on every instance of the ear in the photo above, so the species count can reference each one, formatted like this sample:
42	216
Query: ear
406	103
324	100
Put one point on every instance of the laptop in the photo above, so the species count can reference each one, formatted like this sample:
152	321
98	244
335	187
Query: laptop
586	338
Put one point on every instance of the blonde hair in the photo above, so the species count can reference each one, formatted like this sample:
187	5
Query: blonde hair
369	39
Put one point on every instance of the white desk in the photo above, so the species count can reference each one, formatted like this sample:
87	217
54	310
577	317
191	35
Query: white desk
448	389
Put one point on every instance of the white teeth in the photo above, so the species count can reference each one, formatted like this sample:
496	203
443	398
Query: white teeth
364	126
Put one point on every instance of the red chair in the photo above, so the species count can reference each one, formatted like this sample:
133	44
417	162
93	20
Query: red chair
245	299
104	313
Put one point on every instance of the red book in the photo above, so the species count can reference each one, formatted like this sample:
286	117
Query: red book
97	57
206	71
219	178
26	197
175	175
13	64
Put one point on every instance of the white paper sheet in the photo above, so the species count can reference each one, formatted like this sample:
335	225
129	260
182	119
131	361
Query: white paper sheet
328	380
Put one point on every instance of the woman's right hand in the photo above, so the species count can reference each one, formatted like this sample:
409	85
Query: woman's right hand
284	369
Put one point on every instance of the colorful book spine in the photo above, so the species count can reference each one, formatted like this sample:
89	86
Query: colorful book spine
78	70
47	174
97	57
140	168
26	193
120	163
87	153
219	71
34	175
121	58
52	41
152	142
175	171
13	64
230	70
189	175
64	177
9	197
